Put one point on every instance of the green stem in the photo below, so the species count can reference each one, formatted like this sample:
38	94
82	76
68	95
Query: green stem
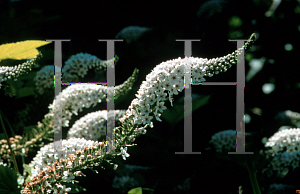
12	151
252	176
11	129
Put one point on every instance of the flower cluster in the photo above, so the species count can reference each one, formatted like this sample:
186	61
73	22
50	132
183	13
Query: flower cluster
93	125
285	150
76	65
167	79
21	144
83	95
7	73
44	78
50	167
285	140
5	152
282	163
48	153
81	62
224	141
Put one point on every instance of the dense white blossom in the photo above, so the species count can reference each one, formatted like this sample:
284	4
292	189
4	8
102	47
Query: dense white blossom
285	140
7	73
81	62
76	65
168	79
285	149
83	95
93	125
47	154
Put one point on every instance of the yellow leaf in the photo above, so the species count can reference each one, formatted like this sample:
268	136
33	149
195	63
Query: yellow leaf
137	190
21	50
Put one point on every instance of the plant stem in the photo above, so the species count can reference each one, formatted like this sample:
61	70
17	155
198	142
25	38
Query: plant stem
252	176
11	129
12	151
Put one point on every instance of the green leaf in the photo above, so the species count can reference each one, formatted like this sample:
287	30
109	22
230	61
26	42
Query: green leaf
28	91
21	50
137	190
176	114
8	181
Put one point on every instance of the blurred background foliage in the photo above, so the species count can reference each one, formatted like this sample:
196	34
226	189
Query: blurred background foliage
272	85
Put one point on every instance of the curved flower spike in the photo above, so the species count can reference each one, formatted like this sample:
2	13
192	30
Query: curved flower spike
83	95
51	167
76	65
7	73
81	62
167	78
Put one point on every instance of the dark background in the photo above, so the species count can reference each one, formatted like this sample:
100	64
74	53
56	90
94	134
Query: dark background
211	21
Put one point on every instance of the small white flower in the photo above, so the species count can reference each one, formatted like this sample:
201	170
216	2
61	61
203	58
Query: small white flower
149	92
151	99
156	86
138	120
179	70
162	75
173	90
167	85
124	153
160	106
173	78
146	109
147	119
68	176
179	87
141	95
142	103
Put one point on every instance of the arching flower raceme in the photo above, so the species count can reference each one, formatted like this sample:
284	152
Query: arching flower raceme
51	166
83	95
81	62
168	78
7	73
76	65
